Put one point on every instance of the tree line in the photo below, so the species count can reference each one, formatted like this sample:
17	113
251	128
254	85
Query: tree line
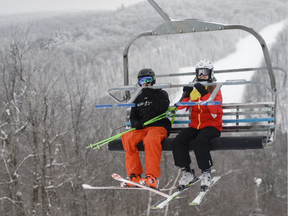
49	86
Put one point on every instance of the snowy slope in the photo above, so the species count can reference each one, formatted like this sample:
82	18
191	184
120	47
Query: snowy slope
248	54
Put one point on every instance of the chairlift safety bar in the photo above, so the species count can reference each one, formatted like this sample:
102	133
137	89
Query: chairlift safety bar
211	98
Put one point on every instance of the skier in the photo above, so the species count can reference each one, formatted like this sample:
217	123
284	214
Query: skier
149	104
206	123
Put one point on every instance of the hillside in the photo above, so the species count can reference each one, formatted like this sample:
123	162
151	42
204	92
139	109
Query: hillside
55	67
103	35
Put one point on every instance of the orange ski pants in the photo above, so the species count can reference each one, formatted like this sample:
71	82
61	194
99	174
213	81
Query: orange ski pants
152	138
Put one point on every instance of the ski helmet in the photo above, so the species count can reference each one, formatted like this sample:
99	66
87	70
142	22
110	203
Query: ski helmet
208	69
147	72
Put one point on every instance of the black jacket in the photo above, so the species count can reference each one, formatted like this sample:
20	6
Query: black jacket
149	104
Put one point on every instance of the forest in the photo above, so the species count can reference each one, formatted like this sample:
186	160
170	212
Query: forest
56	67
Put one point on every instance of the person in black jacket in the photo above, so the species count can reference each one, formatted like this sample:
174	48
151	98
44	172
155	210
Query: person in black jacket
149	104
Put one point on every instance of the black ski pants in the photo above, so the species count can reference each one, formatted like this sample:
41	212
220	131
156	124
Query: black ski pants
200	141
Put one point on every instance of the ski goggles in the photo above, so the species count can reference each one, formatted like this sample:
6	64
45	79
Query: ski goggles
143	80
202	71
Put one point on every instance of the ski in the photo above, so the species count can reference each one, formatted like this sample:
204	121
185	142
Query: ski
180	190
89	187
201	194
119	178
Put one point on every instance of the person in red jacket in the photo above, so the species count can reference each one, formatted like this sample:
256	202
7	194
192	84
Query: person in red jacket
206	123
149	104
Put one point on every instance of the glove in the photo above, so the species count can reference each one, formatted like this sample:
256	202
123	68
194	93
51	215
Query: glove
186	91
148	92
138	125
201	89
187	88
172	112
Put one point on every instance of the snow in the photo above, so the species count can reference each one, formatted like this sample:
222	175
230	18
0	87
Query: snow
248	54
8	112
257	181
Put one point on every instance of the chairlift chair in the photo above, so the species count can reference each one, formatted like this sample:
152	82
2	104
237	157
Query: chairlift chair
245	125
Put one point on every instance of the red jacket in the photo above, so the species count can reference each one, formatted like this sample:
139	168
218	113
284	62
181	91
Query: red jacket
202	115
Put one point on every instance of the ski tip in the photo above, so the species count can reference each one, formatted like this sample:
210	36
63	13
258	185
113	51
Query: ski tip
86	186
215	179
193	203
116	176
154	207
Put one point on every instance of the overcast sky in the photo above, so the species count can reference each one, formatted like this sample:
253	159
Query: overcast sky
20	6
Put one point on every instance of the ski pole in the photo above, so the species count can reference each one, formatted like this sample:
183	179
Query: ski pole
103	142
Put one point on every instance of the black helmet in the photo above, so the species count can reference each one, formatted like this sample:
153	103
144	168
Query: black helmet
145	72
